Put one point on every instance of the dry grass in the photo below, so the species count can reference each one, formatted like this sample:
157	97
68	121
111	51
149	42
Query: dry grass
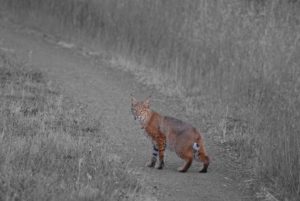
50	147
241	55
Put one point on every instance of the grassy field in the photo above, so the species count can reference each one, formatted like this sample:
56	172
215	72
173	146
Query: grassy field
50	147
241	55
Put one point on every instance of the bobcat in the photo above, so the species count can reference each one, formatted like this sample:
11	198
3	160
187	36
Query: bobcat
169	132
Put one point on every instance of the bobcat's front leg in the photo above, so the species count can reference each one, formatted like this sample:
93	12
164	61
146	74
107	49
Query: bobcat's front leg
161	149
153	159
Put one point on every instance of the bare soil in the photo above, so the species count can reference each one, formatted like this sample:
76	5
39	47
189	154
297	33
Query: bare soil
106	91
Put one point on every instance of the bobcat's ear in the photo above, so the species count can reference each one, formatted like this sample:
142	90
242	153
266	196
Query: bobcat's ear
133	100
147	102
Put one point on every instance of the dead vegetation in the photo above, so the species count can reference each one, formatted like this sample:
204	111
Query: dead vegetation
50	146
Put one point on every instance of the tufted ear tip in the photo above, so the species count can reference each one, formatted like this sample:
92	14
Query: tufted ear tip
147	102
133	100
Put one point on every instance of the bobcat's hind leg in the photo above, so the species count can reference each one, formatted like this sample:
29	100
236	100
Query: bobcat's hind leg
202	155
205	160
185	166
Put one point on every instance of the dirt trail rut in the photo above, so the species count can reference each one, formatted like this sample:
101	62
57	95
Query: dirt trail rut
106	92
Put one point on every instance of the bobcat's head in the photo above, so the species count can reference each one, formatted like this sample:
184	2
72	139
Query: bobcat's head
140	110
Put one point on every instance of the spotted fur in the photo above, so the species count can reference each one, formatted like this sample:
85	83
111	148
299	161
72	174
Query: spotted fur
169	132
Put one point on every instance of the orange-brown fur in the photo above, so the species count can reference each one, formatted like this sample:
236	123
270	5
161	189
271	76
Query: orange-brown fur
167	131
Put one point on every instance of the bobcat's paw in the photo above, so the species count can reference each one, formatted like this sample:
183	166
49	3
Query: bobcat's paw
150	164
181	169
160	165
204	170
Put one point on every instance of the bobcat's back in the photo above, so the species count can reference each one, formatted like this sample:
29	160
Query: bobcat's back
177	126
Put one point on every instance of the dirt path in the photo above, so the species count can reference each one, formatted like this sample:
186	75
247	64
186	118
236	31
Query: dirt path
106	92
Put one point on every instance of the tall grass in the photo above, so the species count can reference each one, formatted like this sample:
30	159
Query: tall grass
50	147
188	41
240	53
